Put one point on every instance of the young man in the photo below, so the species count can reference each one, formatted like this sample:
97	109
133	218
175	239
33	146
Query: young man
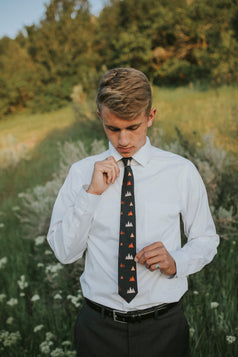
122	208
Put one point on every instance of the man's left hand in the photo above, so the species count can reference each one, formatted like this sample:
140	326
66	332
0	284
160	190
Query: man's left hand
155	255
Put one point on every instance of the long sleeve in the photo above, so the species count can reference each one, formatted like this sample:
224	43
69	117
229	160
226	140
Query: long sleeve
199	228
71	219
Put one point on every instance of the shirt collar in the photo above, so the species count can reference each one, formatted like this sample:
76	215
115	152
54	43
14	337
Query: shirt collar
142	156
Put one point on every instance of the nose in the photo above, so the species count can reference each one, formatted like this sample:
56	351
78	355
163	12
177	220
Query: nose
124	138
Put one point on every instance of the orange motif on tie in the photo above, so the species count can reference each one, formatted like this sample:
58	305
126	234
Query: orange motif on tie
127	284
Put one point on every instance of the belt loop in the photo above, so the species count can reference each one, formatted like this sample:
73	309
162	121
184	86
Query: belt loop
156	314
102	313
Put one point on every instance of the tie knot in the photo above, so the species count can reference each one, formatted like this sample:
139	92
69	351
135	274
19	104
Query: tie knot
127	161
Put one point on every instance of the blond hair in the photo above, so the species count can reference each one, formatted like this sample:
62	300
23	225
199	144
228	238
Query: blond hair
126	92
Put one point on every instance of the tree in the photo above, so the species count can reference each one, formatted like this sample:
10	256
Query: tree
61	49
17	73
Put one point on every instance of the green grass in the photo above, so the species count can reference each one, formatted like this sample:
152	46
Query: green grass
31	129
185	108
196	113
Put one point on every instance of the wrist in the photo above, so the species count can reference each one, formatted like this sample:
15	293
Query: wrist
92	191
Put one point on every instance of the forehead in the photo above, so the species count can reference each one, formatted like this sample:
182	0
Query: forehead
111	119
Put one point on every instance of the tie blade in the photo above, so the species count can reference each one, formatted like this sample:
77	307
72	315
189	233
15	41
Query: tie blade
127	277
127	297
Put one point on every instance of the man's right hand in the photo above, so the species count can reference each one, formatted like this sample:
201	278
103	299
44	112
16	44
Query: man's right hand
104	174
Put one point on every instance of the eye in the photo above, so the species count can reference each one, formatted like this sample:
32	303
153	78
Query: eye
111	128
133	127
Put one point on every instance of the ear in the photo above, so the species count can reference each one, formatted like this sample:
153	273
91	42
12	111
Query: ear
151	117
99	114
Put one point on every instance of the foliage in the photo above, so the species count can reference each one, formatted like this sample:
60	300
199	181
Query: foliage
174	42
12	152
17	74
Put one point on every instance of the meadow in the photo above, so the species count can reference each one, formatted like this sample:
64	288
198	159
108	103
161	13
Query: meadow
39	297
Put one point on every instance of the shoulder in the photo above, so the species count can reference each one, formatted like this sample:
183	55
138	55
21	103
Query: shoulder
175	165
171	158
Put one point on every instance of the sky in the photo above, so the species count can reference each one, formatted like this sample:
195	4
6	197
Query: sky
15	14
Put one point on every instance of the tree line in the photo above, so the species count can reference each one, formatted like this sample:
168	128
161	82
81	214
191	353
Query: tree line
174	42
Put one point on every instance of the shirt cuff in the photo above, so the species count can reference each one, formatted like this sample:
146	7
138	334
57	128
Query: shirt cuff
86	202
179	258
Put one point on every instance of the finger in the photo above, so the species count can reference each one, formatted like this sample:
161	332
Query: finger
154	267
110	162
155	260
147	249
153	253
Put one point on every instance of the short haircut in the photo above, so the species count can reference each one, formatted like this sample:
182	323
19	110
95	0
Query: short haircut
126	92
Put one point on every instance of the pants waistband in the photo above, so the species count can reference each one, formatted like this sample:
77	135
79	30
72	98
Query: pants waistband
131	316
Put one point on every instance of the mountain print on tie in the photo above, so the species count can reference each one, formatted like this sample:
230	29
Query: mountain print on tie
127	277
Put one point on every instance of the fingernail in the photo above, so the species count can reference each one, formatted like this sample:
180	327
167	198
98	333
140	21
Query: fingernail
136	259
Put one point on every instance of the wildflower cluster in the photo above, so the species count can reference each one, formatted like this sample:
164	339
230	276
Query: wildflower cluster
9	339
53	269
3	262
22	283
46	347
76	300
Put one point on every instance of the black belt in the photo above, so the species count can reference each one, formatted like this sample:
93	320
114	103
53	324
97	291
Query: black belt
131	316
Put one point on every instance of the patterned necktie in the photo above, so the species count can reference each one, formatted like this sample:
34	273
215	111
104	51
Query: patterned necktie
127	281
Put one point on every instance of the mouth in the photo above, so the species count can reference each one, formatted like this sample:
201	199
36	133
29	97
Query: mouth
125	150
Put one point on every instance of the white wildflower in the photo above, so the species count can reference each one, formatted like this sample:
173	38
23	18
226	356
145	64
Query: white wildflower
3	262
2	297
9	339
66	343
10	320
49	336
48	252
75	300
12	302
40	265
38	328
53	269
57	297
21	195
22	283
35	297
196	292
230	339
22	294
191	331
58	352
2	225
214	305
39	240
45	347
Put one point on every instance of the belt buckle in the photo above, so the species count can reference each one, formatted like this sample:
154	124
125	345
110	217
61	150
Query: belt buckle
115	317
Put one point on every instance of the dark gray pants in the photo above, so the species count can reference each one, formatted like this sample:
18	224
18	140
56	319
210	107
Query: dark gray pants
100	336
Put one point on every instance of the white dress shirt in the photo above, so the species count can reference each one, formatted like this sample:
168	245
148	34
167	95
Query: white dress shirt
166	185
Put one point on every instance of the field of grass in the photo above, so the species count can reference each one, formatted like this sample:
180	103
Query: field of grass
31	129
40	298
196	113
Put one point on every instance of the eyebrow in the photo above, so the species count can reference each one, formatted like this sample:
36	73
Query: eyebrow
134	126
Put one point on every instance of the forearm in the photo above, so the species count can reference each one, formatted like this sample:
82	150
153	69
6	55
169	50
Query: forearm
195	254
70	227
